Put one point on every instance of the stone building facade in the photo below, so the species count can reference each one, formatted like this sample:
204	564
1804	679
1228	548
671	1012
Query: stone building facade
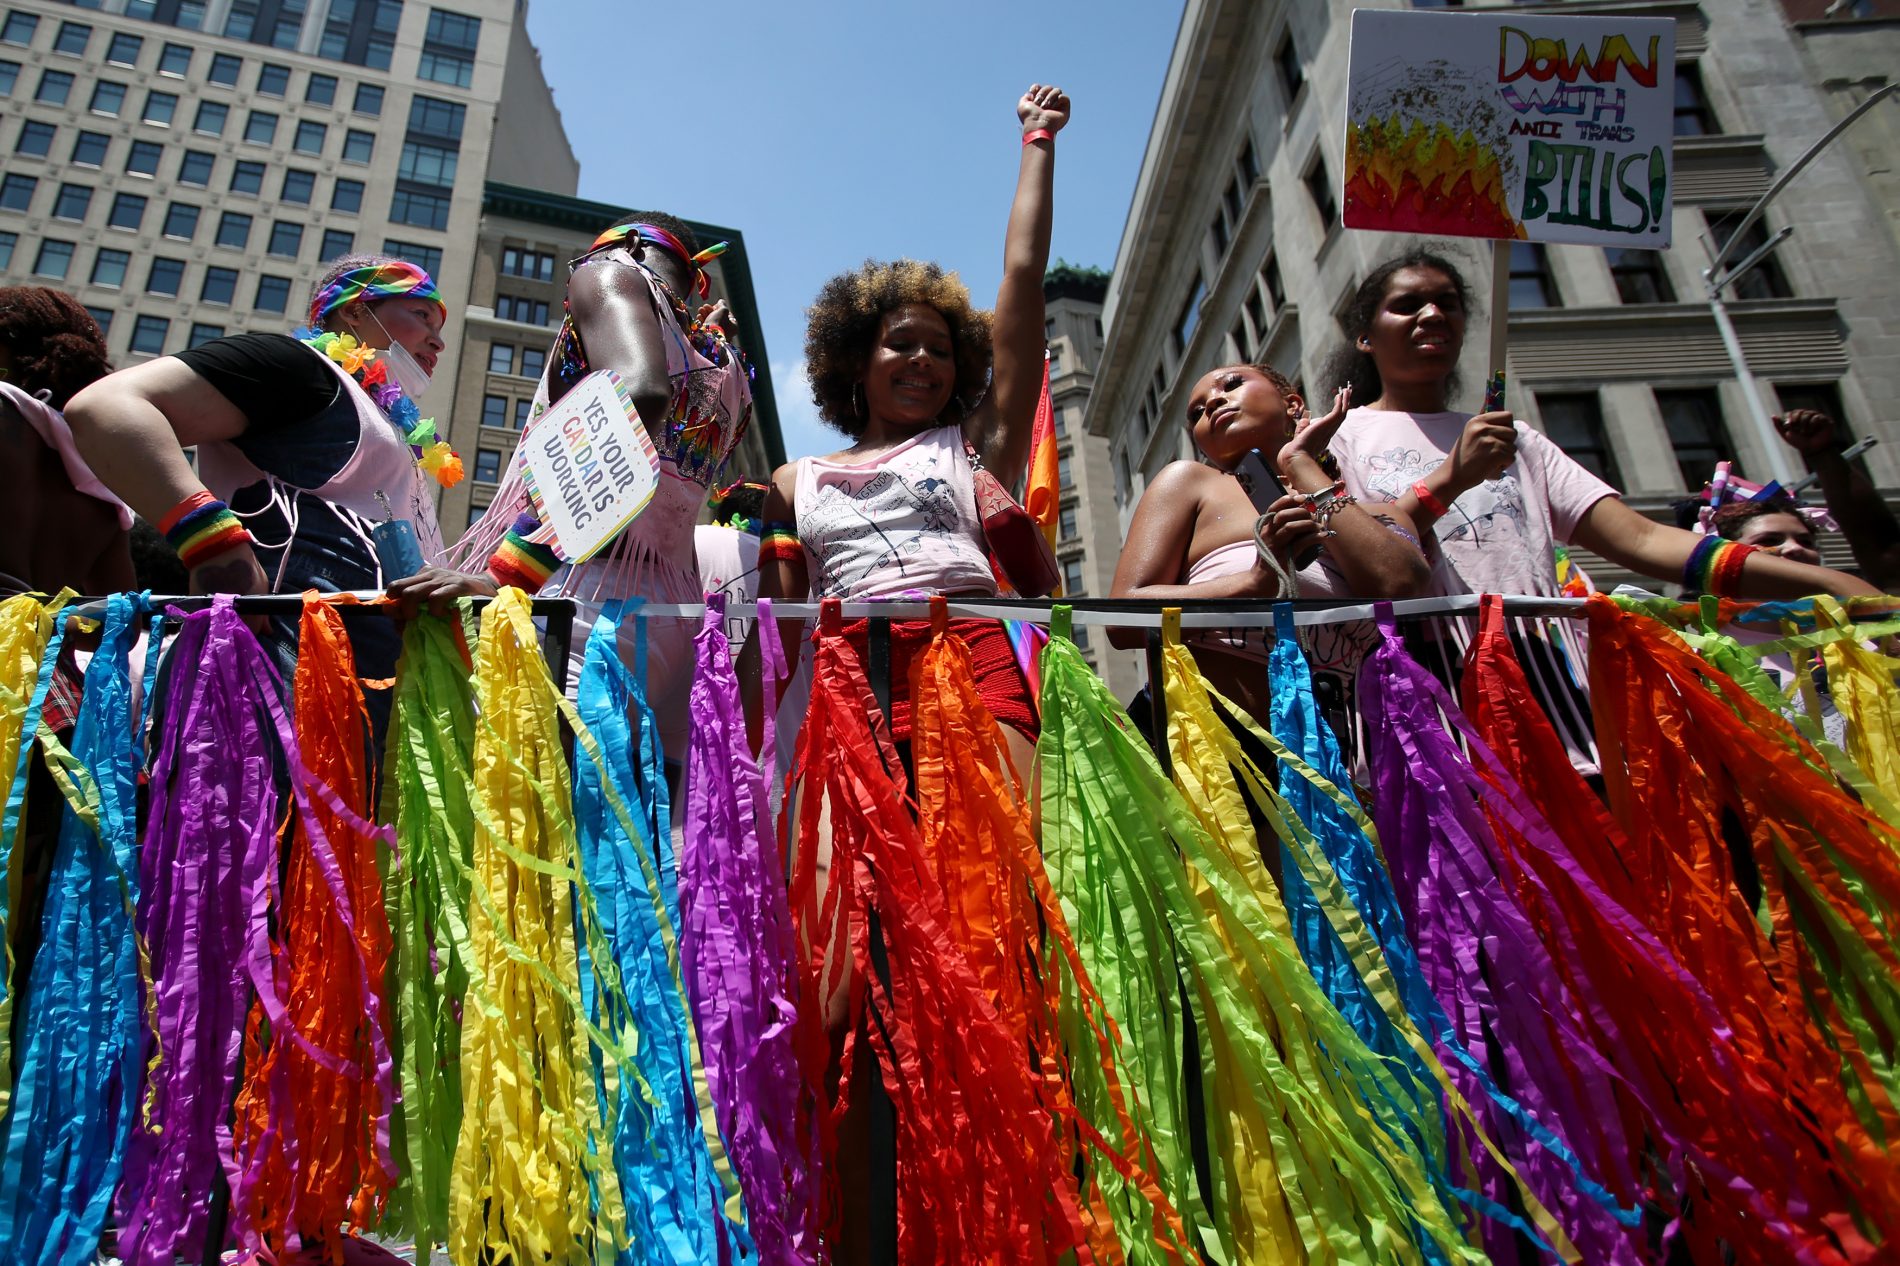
1233	248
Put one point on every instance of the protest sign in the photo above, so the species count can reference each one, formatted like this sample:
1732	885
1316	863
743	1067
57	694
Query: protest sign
1513	126
590	466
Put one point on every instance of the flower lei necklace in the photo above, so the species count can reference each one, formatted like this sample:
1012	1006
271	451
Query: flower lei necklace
362	364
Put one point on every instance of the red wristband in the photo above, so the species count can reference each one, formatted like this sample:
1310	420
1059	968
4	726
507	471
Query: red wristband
1040	134
183	508
1430	502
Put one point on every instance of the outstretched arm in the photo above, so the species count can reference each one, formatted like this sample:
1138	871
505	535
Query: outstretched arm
1627	539
1001	429
1871	530
613	311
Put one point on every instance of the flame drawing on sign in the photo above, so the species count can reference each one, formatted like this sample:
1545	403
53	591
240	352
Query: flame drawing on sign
1406	174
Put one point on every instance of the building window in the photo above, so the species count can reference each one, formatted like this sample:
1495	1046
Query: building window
369	99
36	139
439	119
55	87
1065	522
336	244
142	158
128	212
16	192
1072	578
174	60
1062	470
102	317
73	202
501	358
19	28
1532	286
195	167
124	50
108	99
515	308
247	177
358	146
220	286
1694	117
522	409
533	360
165	277
361	33
1286	60
427	258
54	260
9	77
202	334
1190	317
1574	422
225	69
1763	281
495	411
159	108
108	267
448	48
211	118
181	221
320	90
72	39
310	137
260	127
7	242
433	165
1693	419
346	195
234	230
1639	276
533	265
298	187
273	294
273	80
1319	186
487	465
423	210
286	239
148	335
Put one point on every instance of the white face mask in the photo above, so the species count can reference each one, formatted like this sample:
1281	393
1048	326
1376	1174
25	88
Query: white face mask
406	369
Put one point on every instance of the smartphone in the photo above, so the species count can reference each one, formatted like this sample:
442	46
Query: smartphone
1264	488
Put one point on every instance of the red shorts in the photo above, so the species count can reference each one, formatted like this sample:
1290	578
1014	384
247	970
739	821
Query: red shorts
999	678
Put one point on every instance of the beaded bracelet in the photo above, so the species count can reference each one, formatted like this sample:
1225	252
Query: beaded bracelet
201	527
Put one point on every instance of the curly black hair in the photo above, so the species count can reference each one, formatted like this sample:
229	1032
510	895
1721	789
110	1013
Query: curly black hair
1353	366
844	324
57	347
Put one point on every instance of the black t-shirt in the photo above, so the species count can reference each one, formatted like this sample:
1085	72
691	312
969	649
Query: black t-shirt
301	428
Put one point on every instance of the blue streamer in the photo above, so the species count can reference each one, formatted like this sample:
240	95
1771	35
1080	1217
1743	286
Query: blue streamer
1363	875
672	1194
72	1107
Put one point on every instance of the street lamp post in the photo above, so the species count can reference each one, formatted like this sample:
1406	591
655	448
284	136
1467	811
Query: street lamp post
1716	281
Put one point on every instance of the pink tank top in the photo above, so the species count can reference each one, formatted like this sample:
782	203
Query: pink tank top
903	524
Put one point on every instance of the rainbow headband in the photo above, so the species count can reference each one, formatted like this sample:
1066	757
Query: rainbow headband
666	241
375	281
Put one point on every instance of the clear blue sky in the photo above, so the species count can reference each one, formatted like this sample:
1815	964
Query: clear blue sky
829	132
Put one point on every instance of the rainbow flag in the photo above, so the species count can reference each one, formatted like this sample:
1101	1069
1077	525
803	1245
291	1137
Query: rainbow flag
1044	494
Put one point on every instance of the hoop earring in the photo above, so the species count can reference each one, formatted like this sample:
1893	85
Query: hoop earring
857	399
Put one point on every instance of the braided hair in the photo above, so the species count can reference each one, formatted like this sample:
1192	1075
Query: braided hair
57	347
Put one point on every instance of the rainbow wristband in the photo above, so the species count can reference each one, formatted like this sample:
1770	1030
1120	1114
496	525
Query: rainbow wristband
204	531
1715	566
520	562
779	543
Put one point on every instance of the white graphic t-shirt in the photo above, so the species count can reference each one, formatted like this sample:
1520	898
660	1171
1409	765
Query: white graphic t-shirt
1499	536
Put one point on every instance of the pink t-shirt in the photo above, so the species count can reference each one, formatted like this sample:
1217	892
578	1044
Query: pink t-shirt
1500	536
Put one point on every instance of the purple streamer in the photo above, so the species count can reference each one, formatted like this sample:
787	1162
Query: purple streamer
1483	957
737	954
